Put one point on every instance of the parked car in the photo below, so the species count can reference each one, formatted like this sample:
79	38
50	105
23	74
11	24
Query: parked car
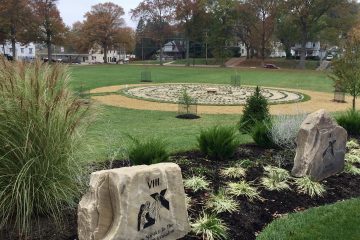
271	66
53	60
329	57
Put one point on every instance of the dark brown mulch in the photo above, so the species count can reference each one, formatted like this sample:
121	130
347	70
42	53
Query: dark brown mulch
252	217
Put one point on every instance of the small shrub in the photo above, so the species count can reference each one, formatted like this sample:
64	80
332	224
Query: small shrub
150	151
196	183
218	142
210	227
233	172
260	133
243	188
40	129
284	130
256	110
352	158
276	178
350	121
351	169
221	202
307	186
352	144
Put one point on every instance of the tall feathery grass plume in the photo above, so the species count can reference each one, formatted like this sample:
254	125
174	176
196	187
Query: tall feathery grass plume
41	123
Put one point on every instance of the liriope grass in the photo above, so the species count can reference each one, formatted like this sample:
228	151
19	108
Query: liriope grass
196	183
40	127
243	188
306	186
210	227
221	202
275	178
233	172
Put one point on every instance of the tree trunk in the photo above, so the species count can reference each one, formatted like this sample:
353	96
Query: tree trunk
161	53
247	52
48	44
353	102
13	46
302	55
105	54
187	52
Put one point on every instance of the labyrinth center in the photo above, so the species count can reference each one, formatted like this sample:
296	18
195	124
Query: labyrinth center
209	94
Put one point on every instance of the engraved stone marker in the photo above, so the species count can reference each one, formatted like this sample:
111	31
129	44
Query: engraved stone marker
321	147
134	203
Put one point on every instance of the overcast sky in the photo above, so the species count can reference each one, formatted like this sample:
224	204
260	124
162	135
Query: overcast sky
74	10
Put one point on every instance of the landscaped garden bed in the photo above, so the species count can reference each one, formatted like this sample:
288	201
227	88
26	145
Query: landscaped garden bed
252	215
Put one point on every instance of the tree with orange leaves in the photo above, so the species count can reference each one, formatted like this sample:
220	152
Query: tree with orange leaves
51	28
15	22
102	25
158	14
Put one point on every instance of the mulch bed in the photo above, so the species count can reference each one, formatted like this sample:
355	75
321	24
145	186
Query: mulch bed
252	217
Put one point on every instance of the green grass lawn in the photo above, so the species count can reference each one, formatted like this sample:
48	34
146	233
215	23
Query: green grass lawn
112	125
94	76
181	134
200	61
332	222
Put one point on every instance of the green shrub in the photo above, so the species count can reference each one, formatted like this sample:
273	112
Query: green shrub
261	135
256	110
350	121
40	127
218	142
148	151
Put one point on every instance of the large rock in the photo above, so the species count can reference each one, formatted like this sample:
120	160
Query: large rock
321	146
142	202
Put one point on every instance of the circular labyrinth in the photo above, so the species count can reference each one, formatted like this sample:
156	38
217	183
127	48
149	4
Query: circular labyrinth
209	94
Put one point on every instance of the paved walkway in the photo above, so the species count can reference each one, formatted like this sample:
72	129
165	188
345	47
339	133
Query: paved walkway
318	100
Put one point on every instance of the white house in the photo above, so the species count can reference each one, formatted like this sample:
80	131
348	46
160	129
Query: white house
23	52
313	49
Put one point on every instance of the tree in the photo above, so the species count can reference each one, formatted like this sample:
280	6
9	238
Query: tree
346	70
158	13
256	110
222	24
102	25
125	39
306	15
286	32
244	26
189	13
51	28
145	45
266	11
15	20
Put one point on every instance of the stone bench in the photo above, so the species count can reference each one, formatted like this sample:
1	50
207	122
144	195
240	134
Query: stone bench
211	90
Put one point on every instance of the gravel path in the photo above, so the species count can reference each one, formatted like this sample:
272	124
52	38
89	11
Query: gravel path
318	100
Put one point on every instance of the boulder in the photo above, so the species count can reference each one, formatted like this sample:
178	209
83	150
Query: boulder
142	202
321	147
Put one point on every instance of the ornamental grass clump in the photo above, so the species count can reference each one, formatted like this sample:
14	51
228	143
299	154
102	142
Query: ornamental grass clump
243	188
307	186
40	127
210	227
275	178
219	142
221	202
148	151
196	183
233	172
350	120
284	130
